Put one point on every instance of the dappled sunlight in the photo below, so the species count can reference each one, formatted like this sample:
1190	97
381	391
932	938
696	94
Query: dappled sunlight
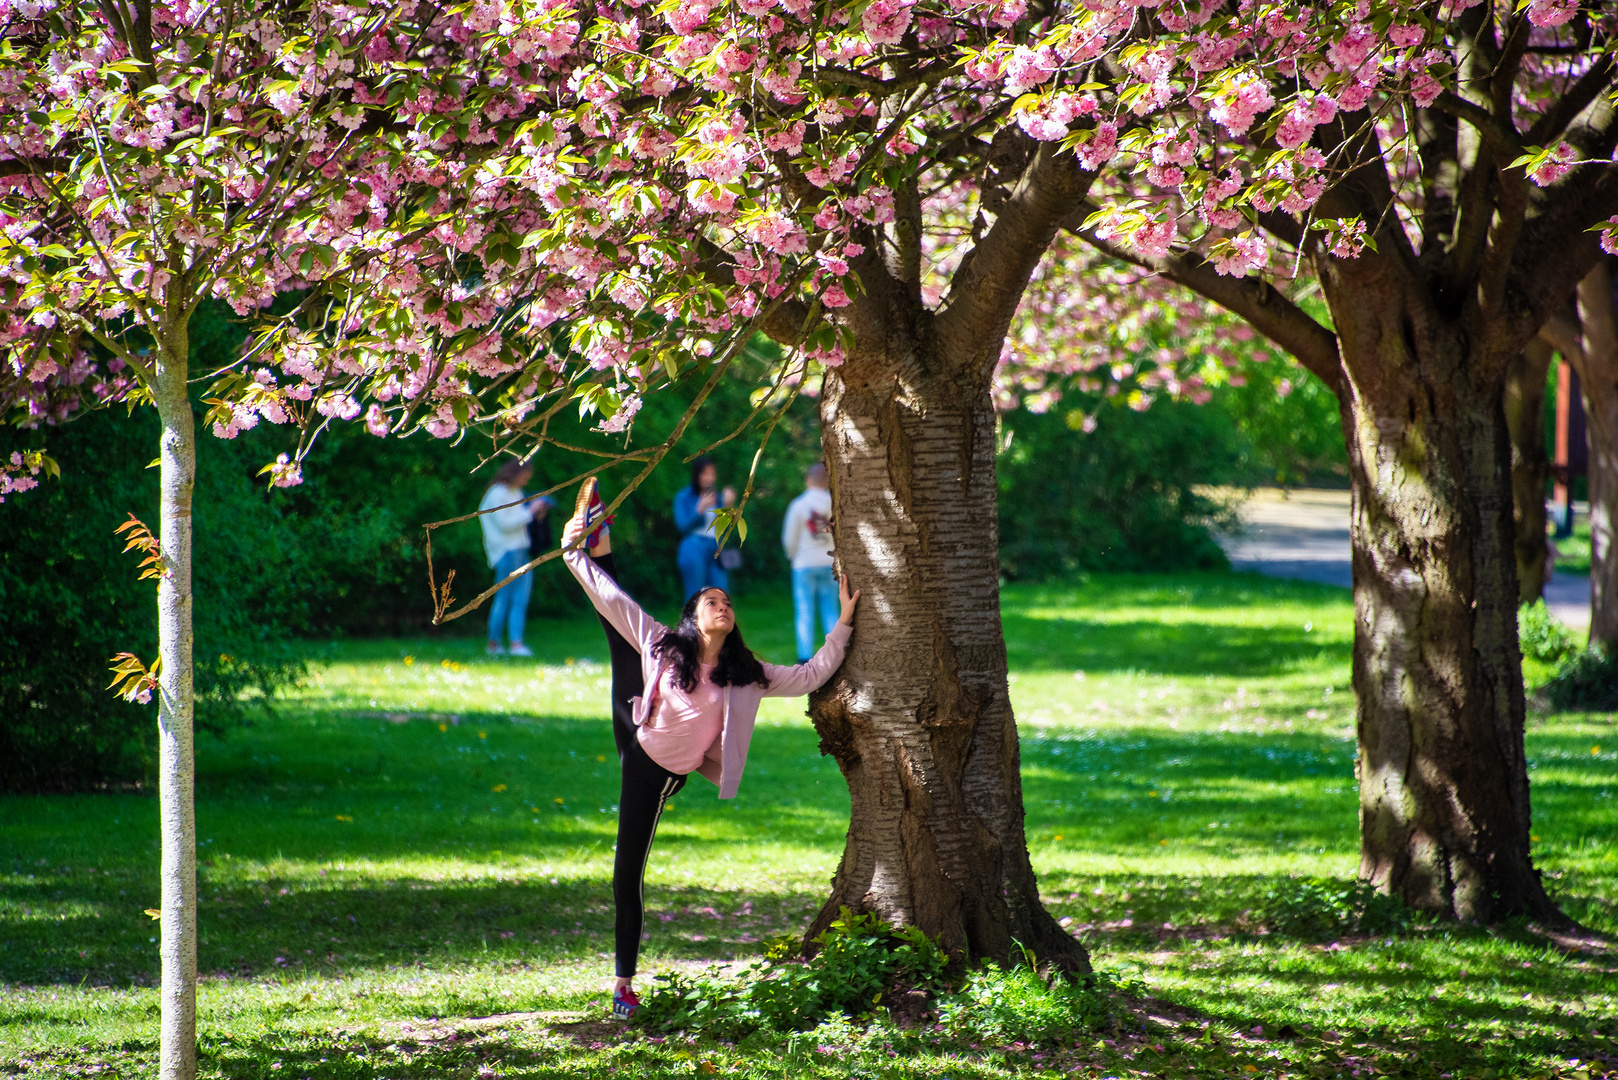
400	841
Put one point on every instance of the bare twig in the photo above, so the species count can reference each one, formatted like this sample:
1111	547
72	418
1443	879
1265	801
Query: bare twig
655	454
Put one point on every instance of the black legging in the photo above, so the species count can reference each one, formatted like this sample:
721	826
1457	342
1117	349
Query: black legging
646	789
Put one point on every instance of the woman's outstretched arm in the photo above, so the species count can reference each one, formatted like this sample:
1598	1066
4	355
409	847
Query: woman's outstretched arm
615	605
809	675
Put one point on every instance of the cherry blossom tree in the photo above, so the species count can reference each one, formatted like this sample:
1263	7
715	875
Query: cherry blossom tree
469	217
1461	214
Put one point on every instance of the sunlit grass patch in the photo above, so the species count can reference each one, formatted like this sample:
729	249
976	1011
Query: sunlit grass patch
419	843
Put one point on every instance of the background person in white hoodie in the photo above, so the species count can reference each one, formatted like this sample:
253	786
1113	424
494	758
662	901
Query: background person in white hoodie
806	536
505	541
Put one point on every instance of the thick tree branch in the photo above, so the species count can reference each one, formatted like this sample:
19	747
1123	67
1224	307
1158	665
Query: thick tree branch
1556	248
1496	134
906	232
989	285
1503	79
1254	299
1282	226
1363	190
17	166
1437	141
1567	107
1562	332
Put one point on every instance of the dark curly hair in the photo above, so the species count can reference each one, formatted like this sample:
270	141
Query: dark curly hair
736	666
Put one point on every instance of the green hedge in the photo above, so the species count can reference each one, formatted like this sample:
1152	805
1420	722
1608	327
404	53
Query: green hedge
1118	498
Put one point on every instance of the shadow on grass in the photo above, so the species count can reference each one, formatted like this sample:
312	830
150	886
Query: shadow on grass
1212	796
338	929
529	1048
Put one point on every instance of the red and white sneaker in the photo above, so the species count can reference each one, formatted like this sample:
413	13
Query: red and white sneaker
624	1004
589	506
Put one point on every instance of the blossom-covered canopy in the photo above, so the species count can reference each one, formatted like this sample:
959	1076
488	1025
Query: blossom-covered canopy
480	212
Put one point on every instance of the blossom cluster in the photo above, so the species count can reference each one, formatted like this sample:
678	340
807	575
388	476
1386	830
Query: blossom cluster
20	472
477	209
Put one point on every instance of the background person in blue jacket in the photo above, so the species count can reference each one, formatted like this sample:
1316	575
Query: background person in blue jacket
694	508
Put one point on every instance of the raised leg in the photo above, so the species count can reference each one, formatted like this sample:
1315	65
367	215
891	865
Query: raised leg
627	680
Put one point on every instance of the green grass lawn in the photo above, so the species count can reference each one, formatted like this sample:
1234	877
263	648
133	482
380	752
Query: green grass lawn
422	836
1573	552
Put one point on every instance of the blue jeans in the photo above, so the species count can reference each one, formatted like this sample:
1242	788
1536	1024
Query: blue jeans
813	588
509	608
699	569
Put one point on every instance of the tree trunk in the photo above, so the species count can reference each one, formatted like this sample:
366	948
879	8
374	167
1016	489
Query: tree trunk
1598	376
1444	810
919	717
175	763
1530	464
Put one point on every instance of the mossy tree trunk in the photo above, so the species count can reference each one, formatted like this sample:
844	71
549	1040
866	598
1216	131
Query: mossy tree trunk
1426	321
1444	809
919	717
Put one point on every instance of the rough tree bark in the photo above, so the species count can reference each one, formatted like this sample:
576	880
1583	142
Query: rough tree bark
1597	365
919	717
1418	361
175	762
921	722
1444	807
1530	464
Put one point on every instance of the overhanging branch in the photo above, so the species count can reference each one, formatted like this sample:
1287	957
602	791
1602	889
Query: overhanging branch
1254	299
784	324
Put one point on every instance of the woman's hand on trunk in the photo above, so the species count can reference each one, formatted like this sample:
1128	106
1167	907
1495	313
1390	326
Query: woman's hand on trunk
847	599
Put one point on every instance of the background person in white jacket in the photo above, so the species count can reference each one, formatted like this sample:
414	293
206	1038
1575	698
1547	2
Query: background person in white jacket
505	541
806	536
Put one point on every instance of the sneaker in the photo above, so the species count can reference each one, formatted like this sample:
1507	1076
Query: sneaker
519	649
493	649
624	1004
589	506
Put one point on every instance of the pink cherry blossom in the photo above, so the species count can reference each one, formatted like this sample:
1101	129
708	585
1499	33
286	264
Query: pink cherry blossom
1552	12
885	21
1555	166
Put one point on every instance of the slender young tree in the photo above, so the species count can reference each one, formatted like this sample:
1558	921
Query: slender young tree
1466	213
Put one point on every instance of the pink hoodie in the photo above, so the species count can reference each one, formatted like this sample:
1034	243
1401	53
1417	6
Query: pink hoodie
740	702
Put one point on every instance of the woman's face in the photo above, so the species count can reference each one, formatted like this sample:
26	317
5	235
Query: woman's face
707	478
522	478
714	614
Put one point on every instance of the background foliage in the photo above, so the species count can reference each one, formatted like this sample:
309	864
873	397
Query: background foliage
71	600
342	554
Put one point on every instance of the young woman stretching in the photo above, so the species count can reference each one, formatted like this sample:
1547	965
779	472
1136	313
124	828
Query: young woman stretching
683	701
